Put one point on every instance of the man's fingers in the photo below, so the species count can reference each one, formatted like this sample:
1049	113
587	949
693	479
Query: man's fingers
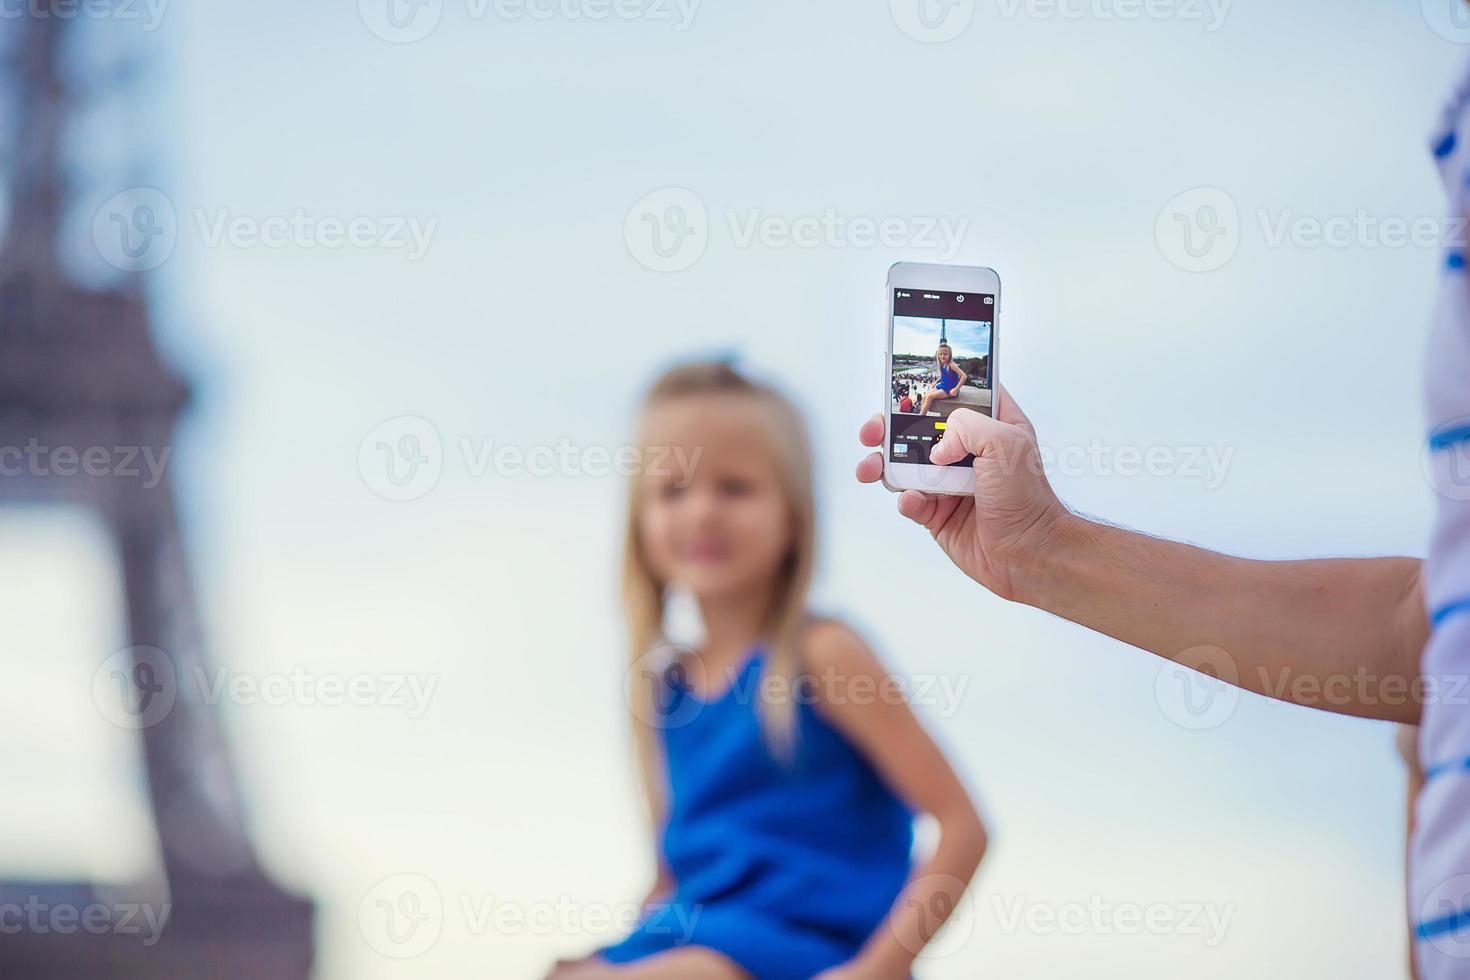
966	431
917	507
870	467
947	505
1010	412
929	509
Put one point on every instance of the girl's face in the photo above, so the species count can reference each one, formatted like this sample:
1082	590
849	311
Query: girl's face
944	355
713	518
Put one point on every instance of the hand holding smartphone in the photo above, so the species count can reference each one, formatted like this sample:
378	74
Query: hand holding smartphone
940	357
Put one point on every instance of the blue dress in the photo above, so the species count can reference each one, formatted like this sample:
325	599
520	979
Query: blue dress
785	866
948	378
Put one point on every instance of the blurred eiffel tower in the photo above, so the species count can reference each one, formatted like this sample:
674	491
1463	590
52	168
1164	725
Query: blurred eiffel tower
78	368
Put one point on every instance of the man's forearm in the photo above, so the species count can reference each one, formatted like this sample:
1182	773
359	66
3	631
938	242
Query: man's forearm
1340	634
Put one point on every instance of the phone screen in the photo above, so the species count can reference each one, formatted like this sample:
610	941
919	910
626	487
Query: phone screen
941	363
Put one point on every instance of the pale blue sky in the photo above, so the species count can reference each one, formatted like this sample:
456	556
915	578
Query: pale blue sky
920	335
1059	141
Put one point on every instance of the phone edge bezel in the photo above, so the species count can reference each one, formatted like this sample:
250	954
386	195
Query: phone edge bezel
985	279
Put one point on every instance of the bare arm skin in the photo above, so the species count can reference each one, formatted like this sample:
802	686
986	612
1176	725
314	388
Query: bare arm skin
863	702
1344	635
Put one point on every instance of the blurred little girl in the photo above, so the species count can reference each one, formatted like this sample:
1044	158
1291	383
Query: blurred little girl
781	764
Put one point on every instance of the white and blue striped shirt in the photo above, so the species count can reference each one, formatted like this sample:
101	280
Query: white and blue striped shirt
1440	871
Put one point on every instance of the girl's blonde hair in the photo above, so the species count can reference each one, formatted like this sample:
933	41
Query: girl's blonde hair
644	594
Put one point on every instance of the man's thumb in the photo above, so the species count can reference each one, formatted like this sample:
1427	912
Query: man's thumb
966	432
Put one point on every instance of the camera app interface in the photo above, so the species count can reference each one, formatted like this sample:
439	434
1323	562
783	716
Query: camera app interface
941	363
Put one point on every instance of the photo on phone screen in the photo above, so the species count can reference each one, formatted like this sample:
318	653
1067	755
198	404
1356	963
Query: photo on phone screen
941	362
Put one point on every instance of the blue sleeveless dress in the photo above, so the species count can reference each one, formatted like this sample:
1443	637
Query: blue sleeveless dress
785	866
948	378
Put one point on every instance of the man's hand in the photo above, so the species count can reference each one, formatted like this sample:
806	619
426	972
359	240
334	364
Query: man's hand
994	536
1293	630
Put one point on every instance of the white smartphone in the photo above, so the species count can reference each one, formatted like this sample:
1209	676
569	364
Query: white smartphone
939	358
